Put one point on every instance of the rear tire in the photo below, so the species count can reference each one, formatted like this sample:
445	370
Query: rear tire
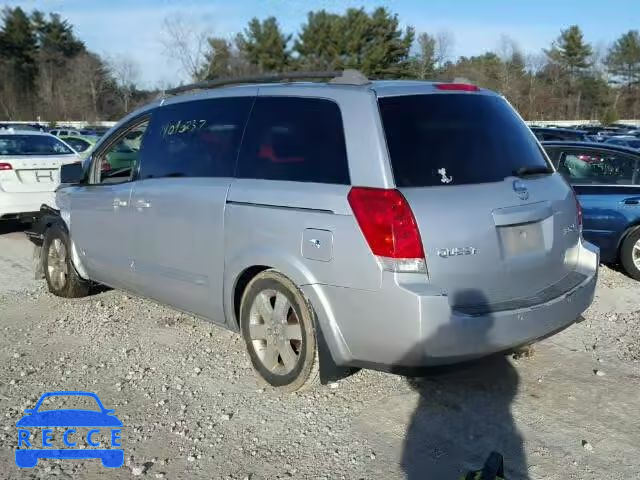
62	278
630	254
278	327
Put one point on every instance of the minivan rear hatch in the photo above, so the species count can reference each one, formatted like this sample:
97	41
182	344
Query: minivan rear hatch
498	226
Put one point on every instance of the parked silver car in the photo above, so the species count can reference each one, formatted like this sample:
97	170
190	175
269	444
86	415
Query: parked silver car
396	223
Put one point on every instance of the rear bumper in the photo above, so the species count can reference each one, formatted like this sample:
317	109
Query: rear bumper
413	324
16	203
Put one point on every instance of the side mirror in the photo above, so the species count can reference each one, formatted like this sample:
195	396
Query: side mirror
71	173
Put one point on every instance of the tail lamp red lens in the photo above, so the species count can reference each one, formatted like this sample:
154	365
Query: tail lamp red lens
578	211
5	166
389	227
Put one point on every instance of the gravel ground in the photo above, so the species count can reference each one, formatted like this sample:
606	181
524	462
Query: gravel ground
192	407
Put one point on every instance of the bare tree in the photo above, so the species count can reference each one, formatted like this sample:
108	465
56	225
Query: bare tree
512	68
126	74
89	73
507	47
534	64
187	44
445	41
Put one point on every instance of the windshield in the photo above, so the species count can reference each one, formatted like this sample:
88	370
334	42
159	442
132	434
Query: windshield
17	145
77	144
76	402
456	138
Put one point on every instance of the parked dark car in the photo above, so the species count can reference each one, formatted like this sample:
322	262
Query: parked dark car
550	134
624	141
21	126
606	179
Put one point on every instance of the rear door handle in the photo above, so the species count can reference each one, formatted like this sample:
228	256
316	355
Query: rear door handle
140	204
117	203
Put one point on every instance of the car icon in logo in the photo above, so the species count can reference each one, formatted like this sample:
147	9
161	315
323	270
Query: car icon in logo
99	422
521	190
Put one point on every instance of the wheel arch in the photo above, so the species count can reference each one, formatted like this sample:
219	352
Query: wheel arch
333	350
48	218
240	269
628	231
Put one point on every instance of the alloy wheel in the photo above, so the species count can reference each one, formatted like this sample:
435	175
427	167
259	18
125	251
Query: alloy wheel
635	254
57	266
275	332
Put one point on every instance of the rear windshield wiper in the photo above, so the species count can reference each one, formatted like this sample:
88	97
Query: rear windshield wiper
525	171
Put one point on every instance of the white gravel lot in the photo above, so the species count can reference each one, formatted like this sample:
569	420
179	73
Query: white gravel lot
192	408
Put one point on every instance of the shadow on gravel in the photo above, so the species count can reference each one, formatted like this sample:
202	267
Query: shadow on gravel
464	412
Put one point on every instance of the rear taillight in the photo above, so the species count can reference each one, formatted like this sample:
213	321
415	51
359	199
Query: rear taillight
460	87
579	214
389	227
5	166
578	210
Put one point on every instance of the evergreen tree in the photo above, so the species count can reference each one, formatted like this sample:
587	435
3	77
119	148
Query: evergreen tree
218	59
372	43
265	46
18	48
623	59
570	50
320	43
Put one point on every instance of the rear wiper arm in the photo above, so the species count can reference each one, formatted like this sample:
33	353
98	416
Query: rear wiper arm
525	171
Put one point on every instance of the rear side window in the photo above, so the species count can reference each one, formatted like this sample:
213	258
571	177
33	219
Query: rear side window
295	139
455	139
588	166
77	144
195	139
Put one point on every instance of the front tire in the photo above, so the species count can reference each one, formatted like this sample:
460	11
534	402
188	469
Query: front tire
278	326
630	254
62	278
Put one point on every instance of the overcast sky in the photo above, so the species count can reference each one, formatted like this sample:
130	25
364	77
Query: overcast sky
133	27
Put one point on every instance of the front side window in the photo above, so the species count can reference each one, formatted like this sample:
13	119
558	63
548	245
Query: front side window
195	139
599	167
21	145
118	161
295	139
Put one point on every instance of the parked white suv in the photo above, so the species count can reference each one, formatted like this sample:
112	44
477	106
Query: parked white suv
30	171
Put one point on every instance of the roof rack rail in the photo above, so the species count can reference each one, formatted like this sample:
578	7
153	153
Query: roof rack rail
341	77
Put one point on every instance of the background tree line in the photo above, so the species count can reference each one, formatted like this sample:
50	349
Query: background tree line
47	71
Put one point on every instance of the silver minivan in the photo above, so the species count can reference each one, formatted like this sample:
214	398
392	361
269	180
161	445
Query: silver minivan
366	223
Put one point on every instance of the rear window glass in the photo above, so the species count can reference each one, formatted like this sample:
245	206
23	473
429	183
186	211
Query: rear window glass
295	139
16	145
455	139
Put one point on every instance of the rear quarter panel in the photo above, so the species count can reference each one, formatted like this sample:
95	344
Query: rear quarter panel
265	223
